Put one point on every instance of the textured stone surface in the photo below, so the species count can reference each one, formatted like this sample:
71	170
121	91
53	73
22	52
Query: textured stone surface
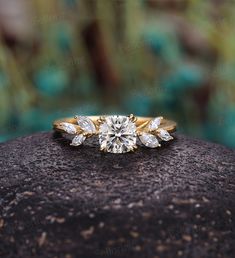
62	201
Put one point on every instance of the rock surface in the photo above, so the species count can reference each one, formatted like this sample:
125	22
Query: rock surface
72	202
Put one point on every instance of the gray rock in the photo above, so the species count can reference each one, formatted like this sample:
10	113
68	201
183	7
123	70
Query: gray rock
72	202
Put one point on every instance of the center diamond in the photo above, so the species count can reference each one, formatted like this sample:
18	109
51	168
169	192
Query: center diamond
117	134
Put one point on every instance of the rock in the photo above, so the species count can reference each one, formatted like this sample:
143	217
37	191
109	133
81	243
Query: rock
57	200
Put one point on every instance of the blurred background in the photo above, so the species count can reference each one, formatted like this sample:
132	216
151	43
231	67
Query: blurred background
174	58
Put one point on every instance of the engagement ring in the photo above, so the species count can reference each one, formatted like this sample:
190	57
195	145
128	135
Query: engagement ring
117	133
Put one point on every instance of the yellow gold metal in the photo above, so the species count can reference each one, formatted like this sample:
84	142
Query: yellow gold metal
87	134
141	123
100	120
103	149
132	118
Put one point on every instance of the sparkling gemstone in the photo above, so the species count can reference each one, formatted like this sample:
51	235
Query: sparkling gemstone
164	135
154	124
86	124
68	128
117	134
78	140
149	140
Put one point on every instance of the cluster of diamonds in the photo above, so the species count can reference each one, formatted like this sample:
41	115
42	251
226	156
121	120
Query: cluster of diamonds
87	126
117	134
154	135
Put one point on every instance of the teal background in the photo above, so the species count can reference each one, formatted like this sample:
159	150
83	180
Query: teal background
173	58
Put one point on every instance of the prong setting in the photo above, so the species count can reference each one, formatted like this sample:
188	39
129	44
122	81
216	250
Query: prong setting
132	118
103	149
101	120
117	134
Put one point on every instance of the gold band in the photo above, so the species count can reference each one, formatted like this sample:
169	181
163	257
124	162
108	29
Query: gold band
117	134
140	122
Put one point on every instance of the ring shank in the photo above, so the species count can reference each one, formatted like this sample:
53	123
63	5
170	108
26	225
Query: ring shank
141	122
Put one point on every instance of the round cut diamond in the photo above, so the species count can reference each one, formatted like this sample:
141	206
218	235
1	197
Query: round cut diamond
117	134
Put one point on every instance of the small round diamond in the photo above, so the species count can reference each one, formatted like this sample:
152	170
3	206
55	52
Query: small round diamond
117	134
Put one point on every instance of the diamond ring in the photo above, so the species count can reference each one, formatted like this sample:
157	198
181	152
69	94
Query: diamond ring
117	133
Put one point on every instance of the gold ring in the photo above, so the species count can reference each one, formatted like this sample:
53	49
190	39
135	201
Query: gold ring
117	133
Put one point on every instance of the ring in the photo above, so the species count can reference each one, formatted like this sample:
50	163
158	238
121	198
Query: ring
117	133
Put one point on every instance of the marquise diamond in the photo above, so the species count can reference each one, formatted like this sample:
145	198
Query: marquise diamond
164	135
78	140
86	124
68	128
154	124
149	140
